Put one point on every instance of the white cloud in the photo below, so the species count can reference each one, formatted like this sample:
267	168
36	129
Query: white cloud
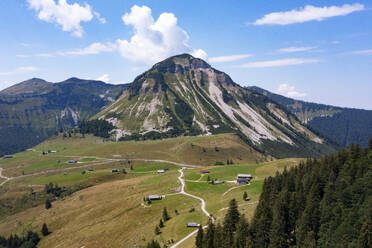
68	16
153	40
295	49
229	58
94	48
308	13
290	91
22	69
104	78
363	52
335	42
98	16
278	63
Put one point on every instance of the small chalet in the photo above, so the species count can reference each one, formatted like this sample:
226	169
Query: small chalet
160	171
166	169
244	178
155	197
72	161
8	156
114	170
193	224
204	171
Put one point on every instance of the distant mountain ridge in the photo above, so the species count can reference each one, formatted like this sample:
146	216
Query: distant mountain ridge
33	110
342	125
183	95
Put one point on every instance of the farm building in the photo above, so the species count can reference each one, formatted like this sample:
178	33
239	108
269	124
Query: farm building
114	170
204	171
161	171
218	182
8	156
193	224
90	170
72	161
155	197
244	178
166	169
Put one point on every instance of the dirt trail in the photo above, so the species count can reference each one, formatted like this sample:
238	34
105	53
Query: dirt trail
182	181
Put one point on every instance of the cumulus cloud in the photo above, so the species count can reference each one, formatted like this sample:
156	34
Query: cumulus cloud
295	49
278	63
290	91
229	58
22	69
308	13
363	52
153	40
68	16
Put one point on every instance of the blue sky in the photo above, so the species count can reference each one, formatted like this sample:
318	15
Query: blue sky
318	51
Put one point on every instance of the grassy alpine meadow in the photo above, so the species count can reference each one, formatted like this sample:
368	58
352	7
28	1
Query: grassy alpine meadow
99	207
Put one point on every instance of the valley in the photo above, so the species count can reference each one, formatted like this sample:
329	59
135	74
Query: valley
102	200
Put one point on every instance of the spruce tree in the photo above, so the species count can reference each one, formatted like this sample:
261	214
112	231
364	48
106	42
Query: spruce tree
199	237
242	233
233	214
157	230
209	236
245	196
166	216
153	244
161	224
44	230
48	204
365	235
218	236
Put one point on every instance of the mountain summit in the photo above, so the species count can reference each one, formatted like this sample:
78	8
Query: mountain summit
184	95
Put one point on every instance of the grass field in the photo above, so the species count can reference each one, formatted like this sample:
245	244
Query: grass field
108	211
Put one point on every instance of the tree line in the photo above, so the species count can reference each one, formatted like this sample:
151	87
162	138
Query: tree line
324	202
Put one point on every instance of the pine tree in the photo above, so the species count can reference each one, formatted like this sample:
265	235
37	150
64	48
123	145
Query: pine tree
242	233
166	216
365	235
245	196
161	224
233	214
209	236
157	230
218	236
199	237
153	244
44	230
48	204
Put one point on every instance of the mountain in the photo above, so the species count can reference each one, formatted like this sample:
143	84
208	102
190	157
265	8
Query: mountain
342	125
185	96
33	110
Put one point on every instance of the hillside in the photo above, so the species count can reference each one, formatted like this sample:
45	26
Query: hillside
33	110
320	203
185	96
100	208
342	125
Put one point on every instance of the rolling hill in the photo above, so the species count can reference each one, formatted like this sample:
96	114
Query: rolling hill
185	96
342	125
33	110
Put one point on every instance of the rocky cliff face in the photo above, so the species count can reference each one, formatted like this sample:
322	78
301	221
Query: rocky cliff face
184	95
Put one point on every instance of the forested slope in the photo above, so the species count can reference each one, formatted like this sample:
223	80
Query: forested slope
323	202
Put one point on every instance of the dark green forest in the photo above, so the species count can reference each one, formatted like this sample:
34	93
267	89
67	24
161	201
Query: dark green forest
324	202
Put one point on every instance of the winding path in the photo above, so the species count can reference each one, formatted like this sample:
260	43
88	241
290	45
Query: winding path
182	181
106	161
4	177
